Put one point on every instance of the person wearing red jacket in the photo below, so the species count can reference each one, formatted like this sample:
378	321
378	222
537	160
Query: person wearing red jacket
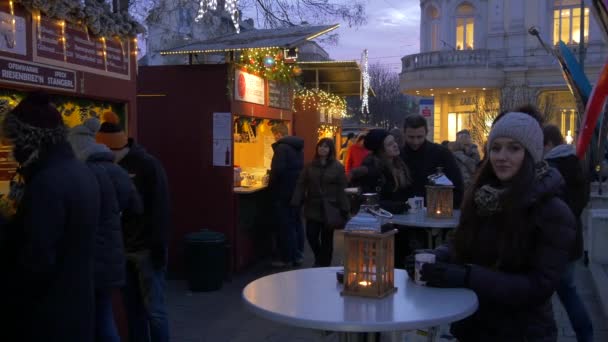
355	154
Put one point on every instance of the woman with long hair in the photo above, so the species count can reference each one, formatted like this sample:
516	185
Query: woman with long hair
321	183
513	239
383	171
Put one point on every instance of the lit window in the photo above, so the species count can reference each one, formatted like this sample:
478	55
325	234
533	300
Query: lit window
567	21
465	27
456	123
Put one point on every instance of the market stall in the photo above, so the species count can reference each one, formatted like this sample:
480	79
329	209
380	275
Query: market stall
216	122
320	107
86	70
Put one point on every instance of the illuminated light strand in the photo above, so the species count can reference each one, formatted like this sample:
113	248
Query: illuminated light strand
104	52
13	23
230	6
317	100
203	7
64	42
253	61
366	83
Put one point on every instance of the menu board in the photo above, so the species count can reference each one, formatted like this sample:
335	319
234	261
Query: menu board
279	95
71	46
15	71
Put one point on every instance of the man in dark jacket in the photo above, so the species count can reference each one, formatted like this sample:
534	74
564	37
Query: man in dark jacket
117	194
576	194
423	157
48	290
287	163
145	235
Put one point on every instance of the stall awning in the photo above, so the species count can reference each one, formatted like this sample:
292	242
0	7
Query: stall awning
286	37
337	77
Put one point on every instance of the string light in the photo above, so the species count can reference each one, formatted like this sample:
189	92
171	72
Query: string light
104	52
230	6
257	62
319	100
63	40
366	82
203	7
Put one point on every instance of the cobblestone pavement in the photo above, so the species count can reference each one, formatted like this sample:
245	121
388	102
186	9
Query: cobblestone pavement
221	315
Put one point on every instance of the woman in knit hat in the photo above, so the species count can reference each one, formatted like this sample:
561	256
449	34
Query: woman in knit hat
513	240
47	251
383	171
117	194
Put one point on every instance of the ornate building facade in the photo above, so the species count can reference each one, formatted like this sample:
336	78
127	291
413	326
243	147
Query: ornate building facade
477	58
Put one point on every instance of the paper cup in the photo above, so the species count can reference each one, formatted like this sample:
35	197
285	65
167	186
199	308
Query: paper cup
421	259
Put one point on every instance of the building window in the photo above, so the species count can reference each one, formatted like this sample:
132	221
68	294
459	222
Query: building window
465	27
456	123
567	21
433	19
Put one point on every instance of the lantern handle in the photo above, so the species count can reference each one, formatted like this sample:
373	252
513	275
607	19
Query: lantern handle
380	212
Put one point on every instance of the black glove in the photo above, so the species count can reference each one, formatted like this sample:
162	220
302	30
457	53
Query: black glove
445	275
410	262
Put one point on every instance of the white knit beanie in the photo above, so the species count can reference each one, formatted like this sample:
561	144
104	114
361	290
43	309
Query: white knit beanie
523	128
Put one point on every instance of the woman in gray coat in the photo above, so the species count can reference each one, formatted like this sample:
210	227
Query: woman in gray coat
323	178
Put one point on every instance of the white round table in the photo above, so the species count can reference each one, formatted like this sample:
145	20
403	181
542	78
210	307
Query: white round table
432	226
310	298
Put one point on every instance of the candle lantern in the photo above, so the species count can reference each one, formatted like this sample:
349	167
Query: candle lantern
439	196
369	268
439	201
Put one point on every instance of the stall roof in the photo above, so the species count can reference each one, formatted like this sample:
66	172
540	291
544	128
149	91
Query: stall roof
286	37
337	77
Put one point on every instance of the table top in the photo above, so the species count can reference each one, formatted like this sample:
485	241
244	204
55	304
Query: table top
310	298
419	219
248	189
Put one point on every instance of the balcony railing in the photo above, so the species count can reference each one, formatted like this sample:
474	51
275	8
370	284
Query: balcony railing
438	59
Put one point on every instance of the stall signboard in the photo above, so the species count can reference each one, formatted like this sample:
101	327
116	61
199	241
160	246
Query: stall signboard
248	88
279	95
12	34
19	72
69	45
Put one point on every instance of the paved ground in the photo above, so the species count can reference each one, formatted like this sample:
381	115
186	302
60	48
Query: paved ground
221	316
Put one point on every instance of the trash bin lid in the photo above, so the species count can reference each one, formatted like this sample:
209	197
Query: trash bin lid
205	236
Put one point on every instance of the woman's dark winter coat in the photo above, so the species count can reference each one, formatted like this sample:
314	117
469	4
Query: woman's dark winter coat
515	305
117	193
49	253
316	178
576	190
377	178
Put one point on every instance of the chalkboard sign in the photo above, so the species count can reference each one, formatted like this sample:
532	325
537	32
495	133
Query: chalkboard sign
279	95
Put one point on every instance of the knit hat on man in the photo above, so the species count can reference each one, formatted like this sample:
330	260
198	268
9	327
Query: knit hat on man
32	126
374	140
520	127
82	139
111	133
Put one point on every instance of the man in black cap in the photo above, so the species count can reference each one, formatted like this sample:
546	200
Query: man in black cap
49	243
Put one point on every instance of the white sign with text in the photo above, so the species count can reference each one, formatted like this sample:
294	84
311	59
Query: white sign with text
248	88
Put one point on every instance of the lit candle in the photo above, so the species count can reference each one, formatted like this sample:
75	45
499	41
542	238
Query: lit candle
365	283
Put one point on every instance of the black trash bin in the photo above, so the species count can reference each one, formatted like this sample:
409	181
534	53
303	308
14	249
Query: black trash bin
204	256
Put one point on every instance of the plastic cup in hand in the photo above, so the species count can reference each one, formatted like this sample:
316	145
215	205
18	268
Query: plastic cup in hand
421	259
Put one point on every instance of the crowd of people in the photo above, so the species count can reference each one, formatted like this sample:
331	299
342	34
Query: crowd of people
92	219
519	234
